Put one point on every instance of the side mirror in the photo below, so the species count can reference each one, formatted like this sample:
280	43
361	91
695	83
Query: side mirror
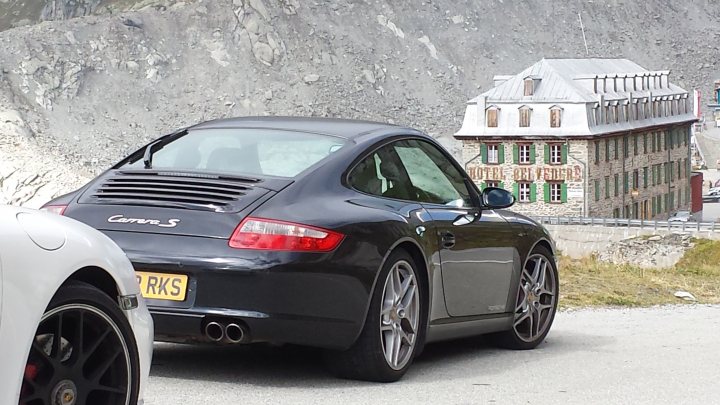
496	198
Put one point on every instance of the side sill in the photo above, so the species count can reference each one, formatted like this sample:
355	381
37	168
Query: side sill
446	329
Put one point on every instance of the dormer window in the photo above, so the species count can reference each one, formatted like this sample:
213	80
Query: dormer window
529	87
524	113
555	116
491	116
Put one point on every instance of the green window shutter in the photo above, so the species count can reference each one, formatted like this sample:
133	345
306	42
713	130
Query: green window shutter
597	190
563	192
532	153
635	145
516	154
626	182
483	185
501	153
597	152
652	143
626	149
607	150
564	153
516	191
546	192
617	149
654	175
501	184
617	185
484	153
654	207
546	151
533	192
607	187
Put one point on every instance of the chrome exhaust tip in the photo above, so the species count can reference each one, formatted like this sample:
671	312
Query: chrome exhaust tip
214	331
234	333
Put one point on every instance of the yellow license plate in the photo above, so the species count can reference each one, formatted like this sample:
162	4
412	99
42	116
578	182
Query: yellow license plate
162	286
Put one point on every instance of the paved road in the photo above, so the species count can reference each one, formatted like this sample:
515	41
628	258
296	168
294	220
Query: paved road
709	143
668	355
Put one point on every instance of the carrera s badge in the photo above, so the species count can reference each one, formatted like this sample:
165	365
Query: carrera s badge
171	223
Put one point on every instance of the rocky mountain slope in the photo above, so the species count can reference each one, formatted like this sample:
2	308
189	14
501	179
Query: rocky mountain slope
82	92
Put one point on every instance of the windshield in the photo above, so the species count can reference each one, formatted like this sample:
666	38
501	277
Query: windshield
263	152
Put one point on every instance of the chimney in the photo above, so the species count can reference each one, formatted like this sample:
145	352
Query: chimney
481	107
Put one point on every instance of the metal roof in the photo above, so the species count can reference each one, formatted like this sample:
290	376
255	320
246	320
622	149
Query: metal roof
571	80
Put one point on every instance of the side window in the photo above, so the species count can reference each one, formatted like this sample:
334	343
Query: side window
382	174
433	177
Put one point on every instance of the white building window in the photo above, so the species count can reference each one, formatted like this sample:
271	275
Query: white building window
556	154
493	154
615	116
529	87
492	183
491	117
556	192
525	113
555	116
524	192
524	154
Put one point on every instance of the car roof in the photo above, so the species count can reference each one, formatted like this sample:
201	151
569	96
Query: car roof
344	128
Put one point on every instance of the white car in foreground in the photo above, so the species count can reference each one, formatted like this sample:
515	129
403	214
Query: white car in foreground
74	329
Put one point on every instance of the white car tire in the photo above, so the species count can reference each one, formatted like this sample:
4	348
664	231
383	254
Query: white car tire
95	361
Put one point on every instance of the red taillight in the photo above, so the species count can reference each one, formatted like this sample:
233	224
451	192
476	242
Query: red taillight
55	209
269	234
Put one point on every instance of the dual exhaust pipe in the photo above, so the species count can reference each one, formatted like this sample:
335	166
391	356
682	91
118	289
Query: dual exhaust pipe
227	333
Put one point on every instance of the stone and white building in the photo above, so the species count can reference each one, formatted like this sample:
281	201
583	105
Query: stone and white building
583	137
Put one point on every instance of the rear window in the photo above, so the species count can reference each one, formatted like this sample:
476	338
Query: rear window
260	152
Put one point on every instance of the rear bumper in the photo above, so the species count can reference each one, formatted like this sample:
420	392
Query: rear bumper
312	299
188	326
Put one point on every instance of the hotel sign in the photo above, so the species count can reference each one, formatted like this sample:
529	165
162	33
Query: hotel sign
527	173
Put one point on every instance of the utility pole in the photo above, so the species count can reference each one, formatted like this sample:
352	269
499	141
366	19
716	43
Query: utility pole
582	28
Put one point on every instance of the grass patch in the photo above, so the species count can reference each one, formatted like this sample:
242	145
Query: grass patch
588	282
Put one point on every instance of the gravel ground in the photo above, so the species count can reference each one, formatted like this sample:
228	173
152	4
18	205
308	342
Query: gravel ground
665	355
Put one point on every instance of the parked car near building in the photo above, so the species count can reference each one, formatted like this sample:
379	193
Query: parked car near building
680	216
73	326
365	239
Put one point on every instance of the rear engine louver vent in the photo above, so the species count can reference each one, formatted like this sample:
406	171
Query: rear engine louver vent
168	189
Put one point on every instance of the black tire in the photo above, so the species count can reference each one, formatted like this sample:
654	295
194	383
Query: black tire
83	310
366	360
512	338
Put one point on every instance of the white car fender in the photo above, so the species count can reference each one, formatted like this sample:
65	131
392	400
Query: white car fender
25	298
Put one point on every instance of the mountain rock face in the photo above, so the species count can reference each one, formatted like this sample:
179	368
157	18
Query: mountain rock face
77	94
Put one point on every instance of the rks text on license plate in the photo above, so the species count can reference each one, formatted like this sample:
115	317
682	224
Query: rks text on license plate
162	286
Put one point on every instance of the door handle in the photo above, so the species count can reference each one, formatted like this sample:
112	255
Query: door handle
448	239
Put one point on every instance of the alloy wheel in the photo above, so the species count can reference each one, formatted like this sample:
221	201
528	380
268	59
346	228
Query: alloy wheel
400	315
536	299
78	356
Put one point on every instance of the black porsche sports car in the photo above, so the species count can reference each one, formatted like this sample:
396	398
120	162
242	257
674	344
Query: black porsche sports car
364	238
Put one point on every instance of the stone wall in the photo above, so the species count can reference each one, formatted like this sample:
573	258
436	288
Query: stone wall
582	241
645	157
